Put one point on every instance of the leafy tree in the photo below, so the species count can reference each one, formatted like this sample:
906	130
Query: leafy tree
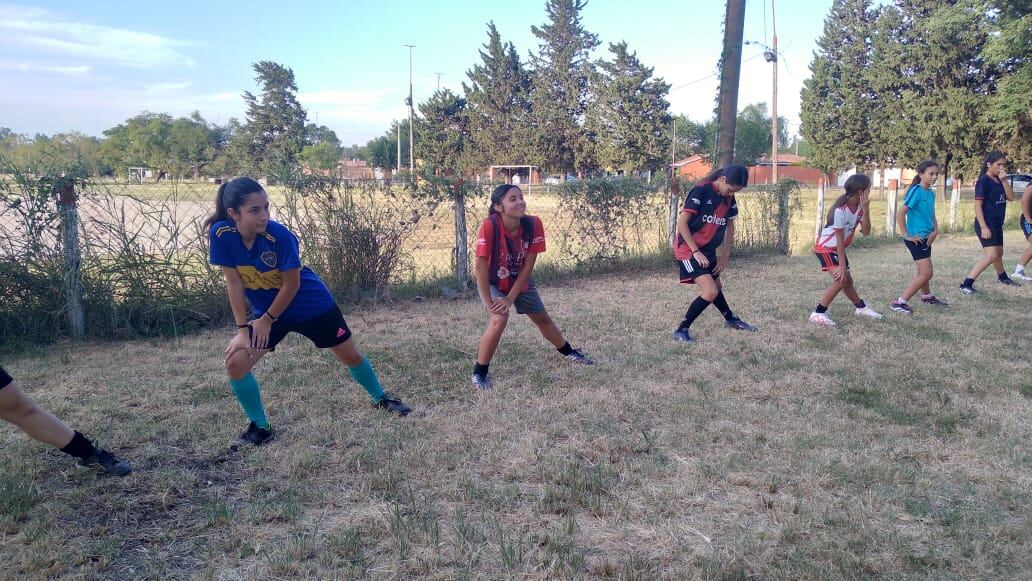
837	104
323	156
383	151
1011	107
499	110
628	117
443	136
560	87
273	133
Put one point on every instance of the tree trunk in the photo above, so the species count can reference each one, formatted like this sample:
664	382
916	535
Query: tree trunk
461	240
730	71
73	278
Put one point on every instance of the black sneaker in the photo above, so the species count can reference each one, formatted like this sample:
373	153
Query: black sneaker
967	289
108	462
736	323
392	403
683	336
1009	281
256	435
578	357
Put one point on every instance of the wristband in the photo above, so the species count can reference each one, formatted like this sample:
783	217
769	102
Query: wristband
268	314
244	326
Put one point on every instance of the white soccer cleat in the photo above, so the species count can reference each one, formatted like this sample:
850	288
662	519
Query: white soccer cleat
868	312
821	319
1022	275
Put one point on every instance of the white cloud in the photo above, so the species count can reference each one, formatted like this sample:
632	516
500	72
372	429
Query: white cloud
156	88
54	33
71	70
360	106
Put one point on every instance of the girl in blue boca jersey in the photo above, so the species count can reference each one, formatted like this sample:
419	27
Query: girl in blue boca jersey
261	262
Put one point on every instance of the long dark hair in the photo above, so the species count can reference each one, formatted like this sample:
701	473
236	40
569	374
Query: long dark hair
855	185
921	168
525	222
232	194
736	175
993	157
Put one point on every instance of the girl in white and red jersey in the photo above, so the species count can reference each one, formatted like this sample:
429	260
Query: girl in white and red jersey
851	209
508	243
702	247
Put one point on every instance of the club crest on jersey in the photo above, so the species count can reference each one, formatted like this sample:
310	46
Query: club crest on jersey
503	273
269	258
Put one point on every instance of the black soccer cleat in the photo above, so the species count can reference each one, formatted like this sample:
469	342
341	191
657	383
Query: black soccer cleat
738	324
256	435
393	404
107	462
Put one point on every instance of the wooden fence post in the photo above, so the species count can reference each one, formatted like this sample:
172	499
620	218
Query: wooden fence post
461	238
783	190
954	200
890	211
675	207
69	211
820	209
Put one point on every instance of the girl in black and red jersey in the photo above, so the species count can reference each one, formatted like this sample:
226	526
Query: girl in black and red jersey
705	229
507	247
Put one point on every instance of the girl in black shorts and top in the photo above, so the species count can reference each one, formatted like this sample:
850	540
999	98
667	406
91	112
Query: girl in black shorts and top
508	243
992	192
920	227
261	262
1026	229
702	247
851	209
18	409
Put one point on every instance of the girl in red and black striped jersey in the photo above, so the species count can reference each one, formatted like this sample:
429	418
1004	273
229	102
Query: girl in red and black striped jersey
507	247
705	230
851	209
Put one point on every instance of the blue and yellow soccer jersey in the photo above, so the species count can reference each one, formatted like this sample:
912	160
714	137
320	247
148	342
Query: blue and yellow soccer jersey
273	252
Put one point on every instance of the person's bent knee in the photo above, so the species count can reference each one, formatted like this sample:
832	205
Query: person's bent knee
709	294
238	365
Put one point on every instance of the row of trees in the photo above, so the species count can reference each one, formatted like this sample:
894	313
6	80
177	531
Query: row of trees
898	82
275	135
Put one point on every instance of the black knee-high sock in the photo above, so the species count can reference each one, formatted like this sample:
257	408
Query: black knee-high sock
721	303
80	447
694	310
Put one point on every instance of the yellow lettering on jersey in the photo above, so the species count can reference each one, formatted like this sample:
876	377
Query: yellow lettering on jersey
255	280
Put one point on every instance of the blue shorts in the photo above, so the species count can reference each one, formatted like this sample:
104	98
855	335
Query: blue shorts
1026	228
5	379
995	237
919	250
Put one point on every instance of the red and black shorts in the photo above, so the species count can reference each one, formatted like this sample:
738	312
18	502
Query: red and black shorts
5	379
326	330
829	260
690	269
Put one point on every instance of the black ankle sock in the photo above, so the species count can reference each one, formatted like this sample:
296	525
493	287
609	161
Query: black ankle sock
565	349
1002	275
480	368
79	447
694	310
860	304
721	303
968	282
820	309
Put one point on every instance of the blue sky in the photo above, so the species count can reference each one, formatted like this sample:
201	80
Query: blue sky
88	66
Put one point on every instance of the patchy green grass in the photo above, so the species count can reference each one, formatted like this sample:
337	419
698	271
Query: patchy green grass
895	448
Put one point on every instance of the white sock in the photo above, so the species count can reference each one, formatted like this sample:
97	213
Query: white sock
1019	269
901	299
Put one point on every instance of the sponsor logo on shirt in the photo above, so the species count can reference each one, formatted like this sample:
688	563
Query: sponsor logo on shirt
711	219
255	280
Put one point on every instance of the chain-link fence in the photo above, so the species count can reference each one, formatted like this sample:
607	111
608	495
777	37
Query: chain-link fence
138	264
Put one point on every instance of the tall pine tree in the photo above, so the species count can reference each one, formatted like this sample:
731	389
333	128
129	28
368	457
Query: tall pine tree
561	69
837	105
1011	52
499	104
274	131
628	118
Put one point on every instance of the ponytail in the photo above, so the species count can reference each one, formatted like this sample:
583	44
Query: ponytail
855	185
923	167
232	194
993	157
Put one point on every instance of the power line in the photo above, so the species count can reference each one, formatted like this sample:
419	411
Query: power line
711	75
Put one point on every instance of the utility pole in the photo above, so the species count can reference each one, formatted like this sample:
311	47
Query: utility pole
411	116
438	81
397	161
774	100
730	71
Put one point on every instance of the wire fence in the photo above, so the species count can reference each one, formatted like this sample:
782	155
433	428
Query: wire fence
109	259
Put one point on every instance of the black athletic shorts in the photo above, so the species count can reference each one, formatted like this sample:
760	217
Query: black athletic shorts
690	269
326	330
995	239
1026	228
919	250
829	260
5	379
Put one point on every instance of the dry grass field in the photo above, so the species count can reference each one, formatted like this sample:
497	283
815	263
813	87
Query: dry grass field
895	448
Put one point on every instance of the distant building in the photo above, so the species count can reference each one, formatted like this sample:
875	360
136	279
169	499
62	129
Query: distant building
789	166
356	169
693	167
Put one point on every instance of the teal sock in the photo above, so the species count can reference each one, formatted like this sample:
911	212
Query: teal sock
250	398
366	377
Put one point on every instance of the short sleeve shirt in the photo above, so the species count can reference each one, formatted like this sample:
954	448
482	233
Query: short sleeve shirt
994	200
511	253
845	220
920	205
708	213
260	267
